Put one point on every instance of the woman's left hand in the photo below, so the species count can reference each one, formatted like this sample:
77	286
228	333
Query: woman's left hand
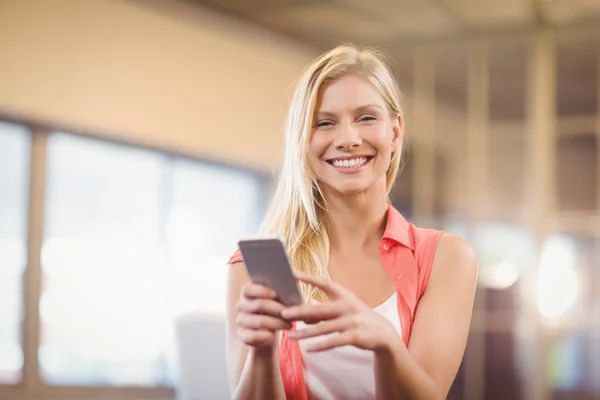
357	324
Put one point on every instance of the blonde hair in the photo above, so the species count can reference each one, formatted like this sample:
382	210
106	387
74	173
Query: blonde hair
296	209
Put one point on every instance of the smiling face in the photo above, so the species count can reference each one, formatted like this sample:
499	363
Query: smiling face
353	136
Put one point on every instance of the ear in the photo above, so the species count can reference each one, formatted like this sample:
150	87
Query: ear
398	131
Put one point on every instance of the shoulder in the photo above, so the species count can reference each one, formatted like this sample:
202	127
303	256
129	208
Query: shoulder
455	248
454	260
442	320
423	237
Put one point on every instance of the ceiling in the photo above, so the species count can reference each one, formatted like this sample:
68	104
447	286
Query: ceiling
402	25
324	23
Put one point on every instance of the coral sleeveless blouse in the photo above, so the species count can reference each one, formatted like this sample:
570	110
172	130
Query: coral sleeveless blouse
407	254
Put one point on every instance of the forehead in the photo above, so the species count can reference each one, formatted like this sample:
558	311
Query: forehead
347	93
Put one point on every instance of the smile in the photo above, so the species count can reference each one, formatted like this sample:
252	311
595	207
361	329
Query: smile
350	163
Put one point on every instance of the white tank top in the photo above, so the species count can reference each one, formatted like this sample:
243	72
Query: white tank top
345	372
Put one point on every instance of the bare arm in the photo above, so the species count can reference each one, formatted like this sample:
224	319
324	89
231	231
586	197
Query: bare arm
252	336
427	368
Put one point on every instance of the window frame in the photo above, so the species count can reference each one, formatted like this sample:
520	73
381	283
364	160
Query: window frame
31	384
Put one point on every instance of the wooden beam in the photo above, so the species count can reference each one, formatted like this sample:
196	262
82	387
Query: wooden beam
424	152
476	192
576	125
540	194
598	133
567	126
33	274
477	145
584	30
575	223
541	133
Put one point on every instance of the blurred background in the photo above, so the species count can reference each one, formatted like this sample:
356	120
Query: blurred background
139	140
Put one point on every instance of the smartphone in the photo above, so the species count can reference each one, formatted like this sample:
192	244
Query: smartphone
268	264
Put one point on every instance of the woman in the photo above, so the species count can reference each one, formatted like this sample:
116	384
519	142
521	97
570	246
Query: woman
388	305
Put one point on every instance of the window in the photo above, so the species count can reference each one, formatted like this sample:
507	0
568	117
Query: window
211	209
14	184
506	252
102	310
572	366
133	238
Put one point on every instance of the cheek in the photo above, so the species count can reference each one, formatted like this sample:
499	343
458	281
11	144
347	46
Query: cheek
317	147
382	138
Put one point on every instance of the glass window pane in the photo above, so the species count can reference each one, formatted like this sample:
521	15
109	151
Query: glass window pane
457	390
212	208
576	77
507	80
401	194
507	160
503	366
103	310
14	184
451	77
573	367
564	289
133	240
505	253
576	172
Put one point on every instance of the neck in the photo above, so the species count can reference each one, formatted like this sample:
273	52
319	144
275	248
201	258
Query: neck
355	221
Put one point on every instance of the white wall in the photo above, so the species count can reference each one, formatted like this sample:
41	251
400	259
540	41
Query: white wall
185	80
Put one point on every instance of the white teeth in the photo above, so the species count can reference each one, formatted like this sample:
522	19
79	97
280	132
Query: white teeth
354	162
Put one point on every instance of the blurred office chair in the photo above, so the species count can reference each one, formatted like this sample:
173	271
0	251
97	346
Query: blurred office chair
200	340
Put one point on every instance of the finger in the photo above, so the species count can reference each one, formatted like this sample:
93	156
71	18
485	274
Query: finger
252	337
312	313
254	290
261	306
322	328
261	322
330	342
330	288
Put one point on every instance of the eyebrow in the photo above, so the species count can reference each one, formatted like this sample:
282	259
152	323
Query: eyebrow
327	114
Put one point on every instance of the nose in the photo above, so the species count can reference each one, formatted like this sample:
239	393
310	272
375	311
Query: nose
347	137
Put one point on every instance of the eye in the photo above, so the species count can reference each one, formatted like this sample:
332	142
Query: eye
368	117
322	124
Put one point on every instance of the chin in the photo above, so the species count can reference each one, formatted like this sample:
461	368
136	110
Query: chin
351	188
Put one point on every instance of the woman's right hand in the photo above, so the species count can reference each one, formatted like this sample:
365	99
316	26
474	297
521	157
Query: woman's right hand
259	316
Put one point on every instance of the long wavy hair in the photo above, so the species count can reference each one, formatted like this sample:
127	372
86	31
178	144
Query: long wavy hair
297	208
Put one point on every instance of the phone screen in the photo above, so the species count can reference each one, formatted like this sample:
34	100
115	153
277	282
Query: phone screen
268	264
